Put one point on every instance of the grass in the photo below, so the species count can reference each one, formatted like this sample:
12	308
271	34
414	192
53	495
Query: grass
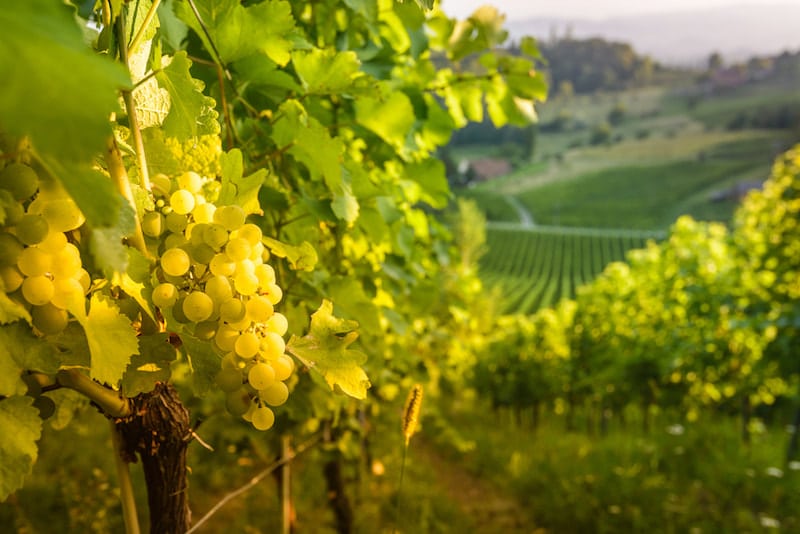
677	478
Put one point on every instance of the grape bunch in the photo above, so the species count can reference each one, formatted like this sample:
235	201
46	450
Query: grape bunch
39	266
212	278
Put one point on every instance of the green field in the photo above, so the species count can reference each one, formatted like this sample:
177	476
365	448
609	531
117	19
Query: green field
671	155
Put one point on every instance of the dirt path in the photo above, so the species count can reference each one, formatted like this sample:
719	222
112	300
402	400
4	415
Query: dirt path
489	508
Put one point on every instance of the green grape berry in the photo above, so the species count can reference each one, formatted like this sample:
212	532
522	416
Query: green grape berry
175	262
198	306
247	345
38	290
165	295
275	395
20	180
229	380
49	319
262	418
261	376
32	228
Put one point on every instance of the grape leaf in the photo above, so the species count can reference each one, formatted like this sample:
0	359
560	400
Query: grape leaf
301	258
325	350
191	113
22	427
205	362
237	188
239	31
431	177
135	279
111	337
150	366
20	350
47	67
326	71
10	310
105	243
310	143
390	118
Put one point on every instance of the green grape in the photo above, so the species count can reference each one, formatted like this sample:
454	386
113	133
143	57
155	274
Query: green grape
190	181
206	330
38	290
265	274
20	180
198	306
272	345
204	213
226	338
49	319
12	278
66	262
10	249
175	262
274	293
45	405
230	217
232	361
261	375
175	241
32	228
160	184
219	289
14	213
34	262
59	210
215	235
259	309
84	279
229	380
67	292
275	395
232	311
257	254
165	295
238	402
238	249
201	254
247	345
182	201
250	233
54	242
153	224
220	265
245	283
262	418
177	311
175	222
194	232
277	323
283	367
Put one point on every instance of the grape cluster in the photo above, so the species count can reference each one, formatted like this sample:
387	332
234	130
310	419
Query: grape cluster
212	278
39	266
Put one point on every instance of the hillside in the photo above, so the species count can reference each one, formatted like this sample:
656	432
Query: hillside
688	37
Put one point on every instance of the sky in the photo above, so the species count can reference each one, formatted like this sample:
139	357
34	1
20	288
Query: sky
593	9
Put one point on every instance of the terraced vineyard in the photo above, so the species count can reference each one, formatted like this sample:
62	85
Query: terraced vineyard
539	265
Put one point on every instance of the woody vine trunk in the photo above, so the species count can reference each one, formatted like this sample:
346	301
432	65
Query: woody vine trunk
158	433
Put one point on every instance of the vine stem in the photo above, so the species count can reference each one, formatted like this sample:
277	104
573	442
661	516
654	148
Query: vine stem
145	23
291	455
126	495
108	400
130	106
120	176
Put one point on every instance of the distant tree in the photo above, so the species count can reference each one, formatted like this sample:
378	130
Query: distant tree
601	134
617	114
715	62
